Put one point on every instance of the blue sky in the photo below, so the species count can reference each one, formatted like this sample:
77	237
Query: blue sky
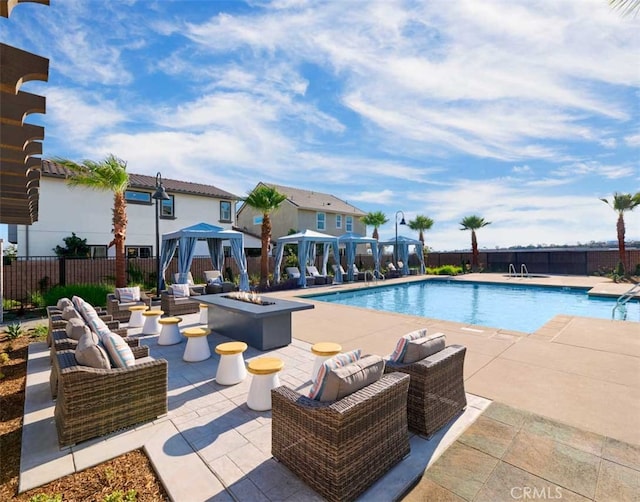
523	112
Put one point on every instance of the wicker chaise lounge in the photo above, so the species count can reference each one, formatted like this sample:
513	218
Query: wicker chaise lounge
340	448
436	389
94	402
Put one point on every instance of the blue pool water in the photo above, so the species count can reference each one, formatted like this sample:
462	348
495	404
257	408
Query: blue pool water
513	307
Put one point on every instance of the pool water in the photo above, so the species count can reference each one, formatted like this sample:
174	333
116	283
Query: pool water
512	307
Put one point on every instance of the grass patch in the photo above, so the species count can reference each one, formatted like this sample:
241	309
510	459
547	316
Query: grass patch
95	294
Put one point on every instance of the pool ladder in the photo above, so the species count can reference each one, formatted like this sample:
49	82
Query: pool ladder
523	270
621	302
372	277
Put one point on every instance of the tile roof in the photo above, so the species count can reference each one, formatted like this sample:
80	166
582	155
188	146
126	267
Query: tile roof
50	168
316	201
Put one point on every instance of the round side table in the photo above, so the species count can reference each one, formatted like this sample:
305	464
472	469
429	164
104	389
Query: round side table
197	348
170	332
135	319
151	324
204	311
323	351
231	368
265	377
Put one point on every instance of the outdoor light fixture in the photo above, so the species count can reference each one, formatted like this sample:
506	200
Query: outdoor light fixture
158	195
395	248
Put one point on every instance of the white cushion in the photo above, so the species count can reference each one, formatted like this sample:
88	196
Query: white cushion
293	272
131	294
119	352
423	347
180	290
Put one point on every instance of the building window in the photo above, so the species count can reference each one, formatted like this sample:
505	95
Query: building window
137	197
257	220
97	251
138	251
349	223
225	211
338	221
321	221
167	208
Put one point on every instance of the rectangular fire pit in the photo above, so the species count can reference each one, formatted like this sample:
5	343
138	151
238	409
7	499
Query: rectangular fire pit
264	327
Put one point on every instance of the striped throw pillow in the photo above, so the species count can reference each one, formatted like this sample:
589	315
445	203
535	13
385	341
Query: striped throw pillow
401	347
337	361
119	352
131	294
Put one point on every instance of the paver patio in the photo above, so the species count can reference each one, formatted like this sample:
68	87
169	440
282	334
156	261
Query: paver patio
583	373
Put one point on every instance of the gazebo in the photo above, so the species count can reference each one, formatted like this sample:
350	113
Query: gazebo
403	251
350	241
185	240
307	241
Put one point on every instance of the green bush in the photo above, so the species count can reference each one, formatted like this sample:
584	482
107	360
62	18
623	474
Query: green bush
95	294
445	270
43	497
9	304
118	496
13	331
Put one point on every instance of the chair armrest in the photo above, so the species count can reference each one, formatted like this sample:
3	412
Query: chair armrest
139	351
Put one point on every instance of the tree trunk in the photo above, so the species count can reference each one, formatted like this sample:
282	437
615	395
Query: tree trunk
264	255
119	237
621	248
375	233
474	249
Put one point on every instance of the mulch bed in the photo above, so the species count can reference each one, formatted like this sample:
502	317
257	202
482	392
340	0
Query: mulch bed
131	471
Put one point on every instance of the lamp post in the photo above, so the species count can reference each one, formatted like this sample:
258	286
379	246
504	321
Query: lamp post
158	195
395	248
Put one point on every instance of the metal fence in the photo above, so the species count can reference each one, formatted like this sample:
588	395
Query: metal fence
26	279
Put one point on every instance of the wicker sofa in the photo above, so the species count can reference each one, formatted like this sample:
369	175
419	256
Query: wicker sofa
436	389
120	310
61	341
340	448
94	402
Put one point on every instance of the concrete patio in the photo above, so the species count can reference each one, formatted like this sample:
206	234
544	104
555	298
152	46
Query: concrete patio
583	374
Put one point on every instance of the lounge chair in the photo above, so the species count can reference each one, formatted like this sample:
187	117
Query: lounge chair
392	271
196	288
436	389
178	301
119	308
340	448
216	283
357	275
294	273
312	271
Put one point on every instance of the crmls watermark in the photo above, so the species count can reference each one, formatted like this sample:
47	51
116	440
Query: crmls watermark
535	493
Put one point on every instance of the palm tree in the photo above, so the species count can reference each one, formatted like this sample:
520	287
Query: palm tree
421	223
621	203
375	219
265	199
626	6
109	175
473	223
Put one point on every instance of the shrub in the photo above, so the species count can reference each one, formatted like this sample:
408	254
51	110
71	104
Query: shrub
13	330
445	270
9	304
43	497
118	496
95	294
39	331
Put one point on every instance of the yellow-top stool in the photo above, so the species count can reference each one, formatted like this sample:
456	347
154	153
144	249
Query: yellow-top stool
170	332
231	368
265	377
197	348
135	319
323	351
151	324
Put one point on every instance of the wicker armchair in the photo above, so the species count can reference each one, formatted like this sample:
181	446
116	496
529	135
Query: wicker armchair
120	311
94	402
340	448
178	305
60	342
436	390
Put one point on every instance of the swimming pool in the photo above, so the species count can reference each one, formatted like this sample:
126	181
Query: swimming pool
513	307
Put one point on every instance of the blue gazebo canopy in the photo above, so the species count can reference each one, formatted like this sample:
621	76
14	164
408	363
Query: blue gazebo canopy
186	239
350	241
403	251
307	241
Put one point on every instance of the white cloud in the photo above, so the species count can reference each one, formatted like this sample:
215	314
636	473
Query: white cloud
632	140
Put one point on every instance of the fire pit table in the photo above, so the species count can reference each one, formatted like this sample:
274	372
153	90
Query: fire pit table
264	326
